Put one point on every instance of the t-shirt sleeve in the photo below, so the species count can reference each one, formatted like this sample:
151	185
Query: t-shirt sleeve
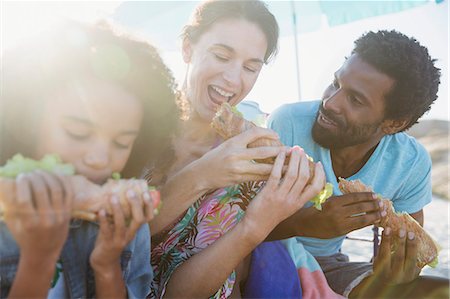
280	122
417	189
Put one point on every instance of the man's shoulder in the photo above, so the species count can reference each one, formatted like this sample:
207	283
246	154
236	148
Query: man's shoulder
402	144
294	110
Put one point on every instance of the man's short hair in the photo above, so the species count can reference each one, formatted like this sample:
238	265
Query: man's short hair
407	62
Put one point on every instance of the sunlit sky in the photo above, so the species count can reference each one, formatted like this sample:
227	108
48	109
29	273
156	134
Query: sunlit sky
321	52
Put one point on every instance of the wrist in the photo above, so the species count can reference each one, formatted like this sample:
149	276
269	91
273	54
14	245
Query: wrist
201	184
252	233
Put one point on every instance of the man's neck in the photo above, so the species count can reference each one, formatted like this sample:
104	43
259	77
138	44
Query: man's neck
349	160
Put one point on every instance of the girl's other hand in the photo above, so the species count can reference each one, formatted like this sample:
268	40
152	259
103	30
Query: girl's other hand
115	234
38	214
283	195
232	162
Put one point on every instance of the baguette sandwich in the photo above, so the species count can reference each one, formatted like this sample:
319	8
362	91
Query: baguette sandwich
229	122
89	198
428	249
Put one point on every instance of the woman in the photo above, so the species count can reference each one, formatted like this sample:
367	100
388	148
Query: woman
209	188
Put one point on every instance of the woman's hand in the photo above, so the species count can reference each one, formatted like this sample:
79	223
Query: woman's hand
38	213
114	235
232	162
284	194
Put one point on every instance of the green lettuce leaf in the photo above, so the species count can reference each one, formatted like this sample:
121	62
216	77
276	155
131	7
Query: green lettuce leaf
320	198
19	164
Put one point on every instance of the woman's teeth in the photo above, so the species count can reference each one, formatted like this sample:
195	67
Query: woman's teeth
222	92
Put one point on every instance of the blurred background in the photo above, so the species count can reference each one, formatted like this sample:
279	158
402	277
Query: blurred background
316	36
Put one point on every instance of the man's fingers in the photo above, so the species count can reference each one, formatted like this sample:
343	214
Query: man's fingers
410	266
398	256
363	220
356	198
382	262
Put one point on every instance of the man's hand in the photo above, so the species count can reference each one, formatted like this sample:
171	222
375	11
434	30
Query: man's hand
340	215
397	264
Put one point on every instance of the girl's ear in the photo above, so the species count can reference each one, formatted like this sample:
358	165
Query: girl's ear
391	126
187	50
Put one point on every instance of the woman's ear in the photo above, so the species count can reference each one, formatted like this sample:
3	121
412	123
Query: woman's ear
391	126
187	50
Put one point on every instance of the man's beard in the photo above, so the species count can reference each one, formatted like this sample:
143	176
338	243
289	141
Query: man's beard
347	135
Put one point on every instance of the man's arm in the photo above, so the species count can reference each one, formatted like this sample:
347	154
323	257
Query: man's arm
339	216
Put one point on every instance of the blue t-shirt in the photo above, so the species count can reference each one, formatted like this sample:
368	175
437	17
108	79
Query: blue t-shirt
399	168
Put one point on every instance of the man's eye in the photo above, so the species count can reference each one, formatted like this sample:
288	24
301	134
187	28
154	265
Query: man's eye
354	100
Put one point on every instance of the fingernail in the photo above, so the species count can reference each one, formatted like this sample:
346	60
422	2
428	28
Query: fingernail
131	194
319	163
411	235
102	213
402	233
383	213
146	197
115	199
387	231
380	203
374	196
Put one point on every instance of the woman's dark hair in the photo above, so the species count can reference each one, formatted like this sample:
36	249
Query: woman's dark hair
407	62
76	53
254	11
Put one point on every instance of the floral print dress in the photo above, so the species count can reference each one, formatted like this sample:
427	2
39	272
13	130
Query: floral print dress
204	222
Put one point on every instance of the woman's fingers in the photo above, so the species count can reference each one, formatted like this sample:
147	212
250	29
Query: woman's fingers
315	185
303	176
252	135
292	173
40	194
263	152
275	175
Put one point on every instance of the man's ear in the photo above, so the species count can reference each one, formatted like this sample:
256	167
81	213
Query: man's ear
187	50
391	126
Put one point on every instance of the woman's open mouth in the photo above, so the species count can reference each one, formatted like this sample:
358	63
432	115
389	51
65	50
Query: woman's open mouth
219	95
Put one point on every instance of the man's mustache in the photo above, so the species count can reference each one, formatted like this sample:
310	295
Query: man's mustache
331	117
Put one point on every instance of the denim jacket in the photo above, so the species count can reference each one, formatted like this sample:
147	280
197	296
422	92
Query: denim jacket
78	275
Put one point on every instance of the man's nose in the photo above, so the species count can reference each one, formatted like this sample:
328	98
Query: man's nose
333	101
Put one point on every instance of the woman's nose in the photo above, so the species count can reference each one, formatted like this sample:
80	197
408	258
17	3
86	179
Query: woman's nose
232	75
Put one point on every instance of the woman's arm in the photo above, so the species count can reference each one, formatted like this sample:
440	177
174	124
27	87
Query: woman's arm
228	164
203	274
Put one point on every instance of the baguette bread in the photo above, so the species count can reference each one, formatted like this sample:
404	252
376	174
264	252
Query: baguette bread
89	197
428	248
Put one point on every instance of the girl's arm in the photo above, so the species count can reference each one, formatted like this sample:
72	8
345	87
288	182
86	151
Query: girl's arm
204	273
113	237
37	215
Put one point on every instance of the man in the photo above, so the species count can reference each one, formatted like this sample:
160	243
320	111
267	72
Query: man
357	132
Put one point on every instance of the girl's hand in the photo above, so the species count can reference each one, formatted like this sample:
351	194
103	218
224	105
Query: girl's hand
232	162
38	213
284	194
115	235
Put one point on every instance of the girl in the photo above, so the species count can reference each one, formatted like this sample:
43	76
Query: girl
104	103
